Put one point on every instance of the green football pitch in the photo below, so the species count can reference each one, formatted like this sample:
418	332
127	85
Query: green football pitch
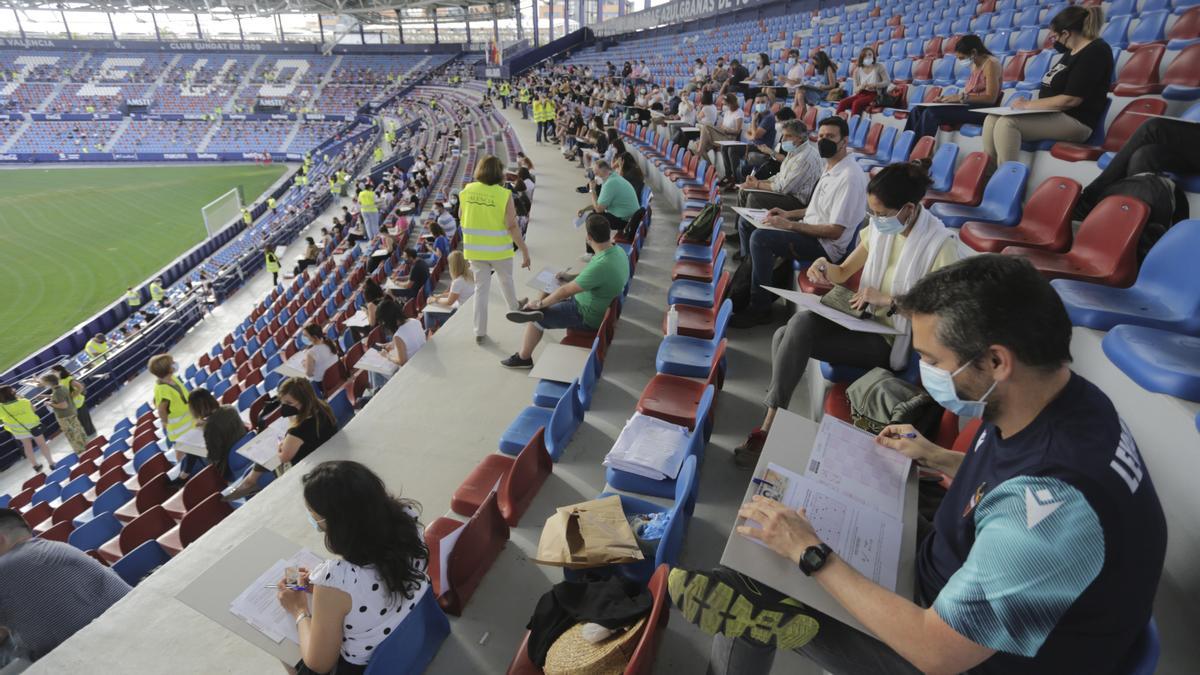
72	240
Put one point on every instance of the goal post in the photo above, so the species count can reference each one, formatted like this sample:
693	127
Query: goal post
221	211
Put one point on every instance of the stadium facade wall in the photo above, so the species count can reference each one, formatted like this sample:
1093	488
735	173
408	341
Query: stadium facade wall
221	46
689	15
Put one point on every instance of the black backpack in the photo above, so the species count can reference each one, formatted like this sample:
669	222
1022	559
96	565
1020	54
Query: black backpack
699	230
1167	201
742	283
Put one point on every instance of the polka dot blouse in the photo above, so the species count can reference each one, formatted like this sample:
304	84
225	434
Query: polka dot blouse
374	613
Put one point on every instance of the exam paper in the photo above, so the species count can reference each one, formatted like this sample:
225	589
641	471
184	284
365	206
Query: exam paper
262	449
358	320
849	460
294	366
813	304
259	606
649	447
374	361
869	541
756	217
545	280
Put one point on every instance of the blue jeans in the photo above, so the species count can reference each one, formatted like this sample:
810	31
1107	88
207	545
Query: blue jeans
765	247
925	121
563	314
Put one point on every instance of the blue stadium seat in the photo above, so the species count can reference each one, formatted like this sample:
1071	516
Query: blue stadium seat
1001	203
941	169
1151	27
141	561
687	356
1166	294
1116	32
1035	69
96	532
410	648
883	149
560	423
665	488
943	70
1160	361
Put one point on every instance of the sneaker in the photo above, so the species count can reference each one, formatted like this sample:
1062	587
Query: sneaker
582	189
524	315
736	606
746	455
517	363
479	339
37	468
751	318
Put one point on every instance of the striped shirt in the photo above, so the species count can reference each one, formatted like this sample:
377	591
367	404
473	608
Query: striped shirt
49	591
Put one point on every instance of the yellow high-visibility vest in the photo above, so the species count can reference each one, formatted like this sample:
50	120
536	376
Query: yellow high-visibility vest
366	201
272	262
77	399
246	217
133	298
539	110
156	291
95	348
481	210
271	203
179	419
19	417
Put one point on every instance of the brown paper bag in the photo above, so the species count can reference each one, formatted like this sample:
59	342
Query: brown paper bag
589	534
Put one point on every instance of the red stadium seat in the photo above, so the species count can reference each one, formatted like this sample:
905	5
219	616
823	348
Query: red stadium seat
197	489
198	520
1105	248
59	532
969	181
1014	68
22	498
1139	76
38	480
38	514
1134	115
1045	222
149	525
676	399
67	511
153	493
700	322
516	481
478	546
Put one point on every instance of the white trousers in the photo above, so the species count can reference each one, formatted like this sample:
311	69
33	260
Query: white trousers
483	270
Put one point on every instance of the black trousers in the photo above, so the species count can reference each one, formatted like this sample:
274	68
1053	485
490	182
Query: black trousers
1158	146
343	667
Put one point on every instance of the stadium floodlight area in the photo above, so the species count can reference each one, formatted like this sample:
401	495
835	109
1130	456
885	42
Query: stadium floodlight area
223	210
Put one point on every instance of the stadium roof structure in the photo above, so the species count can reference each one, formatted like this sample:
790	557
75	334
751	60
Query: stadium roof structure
367	11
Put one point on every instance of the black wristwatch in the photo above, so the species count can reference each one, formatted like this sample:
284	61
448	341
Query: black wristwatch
813	558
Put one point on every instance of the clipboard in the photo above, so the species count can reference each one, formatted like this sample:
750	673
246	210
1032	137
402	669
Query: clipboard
1007	111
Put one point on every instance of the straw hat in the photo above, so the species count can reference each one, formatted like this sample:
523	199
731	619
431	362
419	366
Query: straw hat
572	655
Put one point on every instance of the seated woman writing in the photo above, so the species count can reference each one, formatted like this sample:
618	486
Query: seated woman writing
983	90
903	243
369	589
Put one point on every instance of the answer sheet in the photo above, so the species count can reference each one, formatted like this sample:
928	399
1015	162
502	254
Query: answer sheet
259	606
374	361
865	538
263	448
545	281
849	460
813	304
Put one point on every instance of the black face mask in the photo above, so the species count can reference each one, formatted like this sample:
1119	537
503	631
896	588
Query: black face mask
288	410
1061	48
827	148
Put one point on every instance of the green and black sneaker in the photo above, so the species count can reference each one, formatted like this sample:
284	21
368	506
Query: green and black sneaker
726	602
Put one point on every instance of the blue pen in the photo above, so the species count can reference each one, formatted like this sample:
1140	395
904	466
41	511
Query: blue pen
910	434
760	481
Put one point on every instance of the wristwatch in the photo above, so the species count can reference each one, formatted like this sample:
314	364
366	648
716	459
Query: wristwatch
813	558
302	615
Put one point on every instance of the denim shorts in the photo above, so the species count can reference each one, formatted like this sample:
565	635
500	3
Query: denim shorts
563	314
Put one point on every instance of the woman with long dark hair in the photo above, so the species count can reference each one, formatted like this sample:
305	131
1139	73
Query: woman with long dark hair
982	90
365	593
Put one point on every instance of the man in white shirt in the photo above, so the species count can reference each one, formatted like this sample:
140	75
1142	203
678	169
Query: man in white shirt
824	228
788	189
446	221
795	73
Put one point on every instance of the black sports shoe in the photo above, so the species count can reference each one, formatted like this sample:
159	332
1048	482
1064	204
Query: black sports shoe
524	315
517	363
726	602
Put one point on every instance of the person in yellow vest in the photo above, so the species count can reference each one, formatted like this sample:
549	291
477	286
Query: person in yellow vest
22	421
523	100
170	397
156	290
378	154
271	204
333	183
370	212
247	218
96	347
539	115
78	397
488	219
490	85
89	108
551	114
505	92
389	137
272	261
133	298
301	180
63	406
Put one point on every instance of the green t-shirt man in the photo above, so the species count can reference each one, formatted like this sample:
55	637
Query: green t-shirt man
602	280
618	197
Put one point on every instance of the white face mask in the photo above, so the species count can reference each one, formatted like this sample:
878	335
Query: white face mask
869	61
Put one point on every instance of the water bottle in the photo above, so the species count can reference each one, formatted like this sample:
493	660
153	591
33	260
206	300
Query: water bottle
672	321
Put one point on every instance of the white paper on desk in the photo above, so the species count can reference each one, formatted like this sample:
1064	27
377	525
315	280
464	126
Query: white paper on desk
359	320
438	308
192	442
545	280
259	606
938	105
849	460
1006	111
263	448
649	447
756	217
392	285
727	143
379	253
813	304
374	361
293	367
866	539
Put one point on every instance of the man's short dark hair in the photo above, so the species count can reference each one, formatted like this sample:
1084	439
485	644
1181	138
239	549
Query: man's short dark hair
835	121
411	253
598	229
994	299
12	523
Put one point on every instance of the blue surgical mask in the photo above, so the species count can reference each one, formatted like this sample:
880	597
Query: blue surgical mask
886	224
791	62
787	147
760	107
316	525
940	385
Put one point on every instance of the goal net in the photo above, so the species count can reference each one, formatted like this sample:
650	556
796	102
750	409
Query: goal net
223	210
